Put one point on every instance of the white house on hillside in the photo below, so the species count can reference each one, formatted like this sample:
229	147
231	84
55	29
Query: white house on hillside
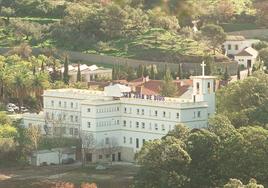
241	50
235	44
88	73
119	121
247	57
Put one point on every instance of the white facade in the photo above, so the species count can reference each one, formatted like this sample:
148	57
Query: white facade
247	57
88	73
126	121
54	156
233	47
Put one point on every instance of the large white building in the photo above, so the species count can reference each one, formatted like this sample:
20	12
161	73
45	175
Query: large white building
118	121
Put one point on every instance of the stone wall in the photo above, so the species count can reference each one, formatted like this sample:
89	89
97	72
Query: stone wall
192	67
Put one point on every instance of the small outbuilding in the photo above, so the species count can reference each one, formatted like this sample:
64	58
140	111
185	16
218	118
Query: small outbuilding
53	157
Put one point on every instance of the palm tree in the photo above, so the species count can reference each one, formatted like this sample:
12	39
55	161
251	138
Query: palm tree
39	82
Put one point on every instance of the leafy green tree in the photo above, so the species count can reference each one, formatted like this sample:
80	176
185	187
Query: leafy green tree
7	12
214	34
162	164
159	19
263	54
244	108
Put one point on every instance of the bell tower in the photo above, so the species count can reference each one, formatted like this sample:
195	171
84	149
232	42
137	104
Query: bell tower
204	90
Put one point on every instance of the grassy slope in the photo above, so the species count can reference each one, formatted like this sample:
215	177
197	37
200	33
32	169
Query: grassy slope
155	43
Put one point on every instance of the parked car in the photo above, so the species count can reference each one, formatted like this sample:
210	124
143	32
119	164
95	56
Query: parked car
10	110
68	161
12	106
23	109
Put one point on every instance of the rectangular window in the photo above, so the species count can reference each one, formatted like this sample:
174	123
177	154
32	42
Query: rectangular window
125	110
88	110
130	140
88	124
137	124
199	114
52	103
76	118
59	103
137	143
156	127
163	128
72	118
236	47
71	131
72	104
164	114
197	88
65	104
124	139
143	125
155	112
229	47
138	111
142	112
100	156
117	108
107	140
178	115
209	87
124	123
75	131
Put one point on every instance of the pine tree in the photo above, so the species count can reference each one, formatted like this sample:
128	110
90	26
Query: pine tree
78	79
66	70
238	73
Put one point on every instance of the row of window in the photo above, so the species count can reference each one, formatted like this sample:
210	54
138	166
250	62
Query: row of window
151	113
130	141
230	47
64	104
61	117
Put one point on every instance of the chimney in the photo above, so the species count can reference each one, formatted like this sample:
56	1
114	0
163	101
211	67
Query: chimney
147	79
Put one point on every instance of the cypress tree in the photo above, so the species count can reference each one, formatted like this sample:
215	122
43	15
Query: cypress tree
226	75
140	71
238	73
66	70
179	73
42	67
78	79
152	72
